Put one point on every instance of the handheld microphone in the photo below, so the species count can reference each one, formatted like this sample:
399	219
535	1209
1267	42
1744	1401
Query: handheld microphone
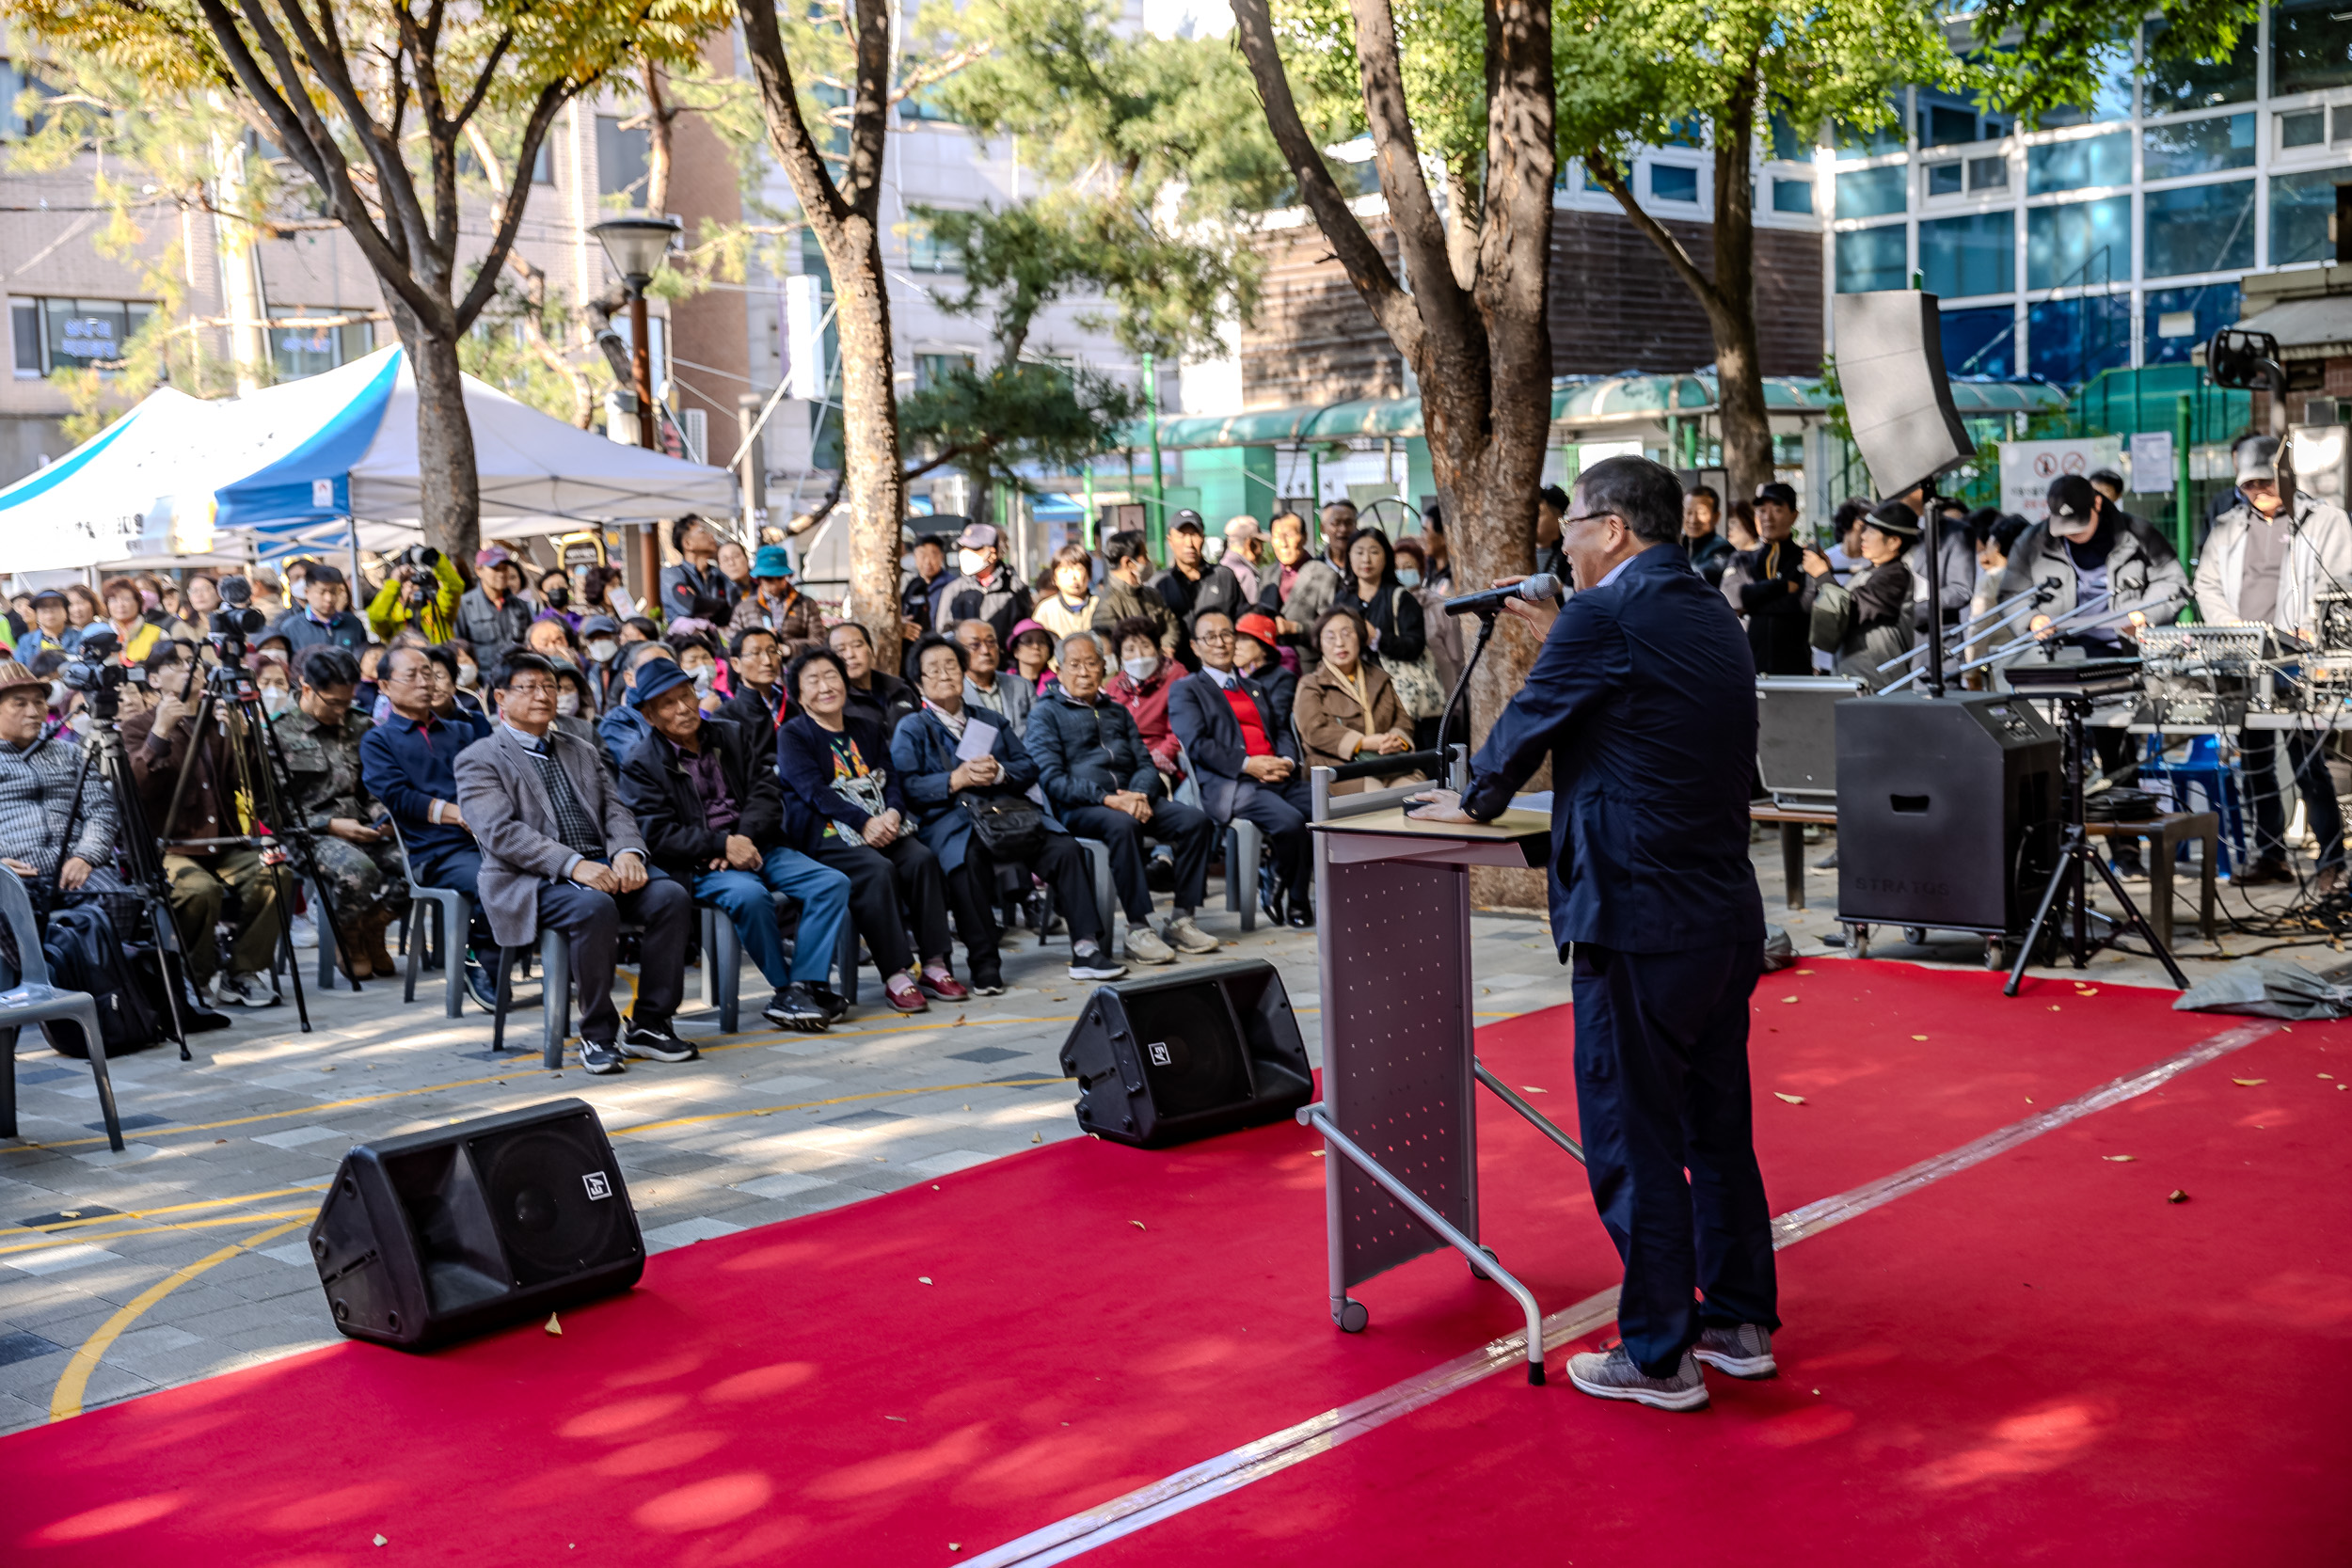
1543	585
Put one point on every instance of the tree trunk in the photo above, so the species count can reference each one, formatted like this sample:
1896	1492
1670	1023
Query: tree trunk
872	480
448	486
1731	313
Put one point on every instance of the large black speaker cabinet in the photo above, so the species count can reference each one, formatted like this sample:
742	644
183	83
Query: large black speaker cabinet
1182	1056
439	1235
1947	810
1890	366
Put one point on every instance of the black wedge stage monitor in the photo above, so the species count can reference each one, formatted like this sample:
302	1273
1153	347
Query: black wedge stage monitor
438	1236
1899	399
1173	1058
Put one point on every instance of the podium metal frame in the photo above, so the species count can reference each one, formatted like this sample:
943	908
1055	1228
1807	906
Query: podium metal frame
1398	1113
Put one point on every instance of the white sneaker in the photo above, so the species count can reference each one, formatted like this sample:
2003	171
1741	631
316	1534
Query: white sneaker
306	932
248	991
1145	946
1186	937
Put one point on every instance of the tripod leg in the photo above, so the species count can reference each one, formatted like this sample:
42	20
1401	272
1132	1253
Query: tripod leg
2041	918
2139	921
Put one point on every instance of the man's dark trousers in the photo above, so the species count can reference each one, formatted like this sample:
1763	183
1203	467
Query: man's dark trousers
1661	1086
591	923
1187	829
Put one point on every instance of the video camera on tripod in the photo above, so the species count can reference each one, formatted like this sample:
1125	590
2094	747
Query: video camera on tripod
95	668
234	621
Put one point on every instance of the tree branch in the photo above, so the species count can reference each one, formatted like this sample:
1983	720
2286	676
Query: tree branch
871	119
1420	232
1365	266
1598	164
551	98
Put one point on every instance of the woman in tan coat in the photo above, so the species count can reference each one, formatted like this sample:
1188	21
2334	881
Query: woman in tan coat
1346	710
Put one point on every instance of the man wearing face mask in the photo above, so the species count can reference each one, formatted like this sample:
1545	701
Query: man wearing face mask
986	590
600	640
2265	561
368	879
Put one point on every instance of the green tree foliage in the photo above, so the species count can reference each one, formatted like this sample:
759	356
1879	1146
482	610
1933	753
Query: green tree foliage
2034	57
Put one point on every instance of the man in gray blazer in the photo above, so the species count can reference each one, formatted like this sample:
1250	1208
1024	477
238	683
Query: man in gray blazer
560	849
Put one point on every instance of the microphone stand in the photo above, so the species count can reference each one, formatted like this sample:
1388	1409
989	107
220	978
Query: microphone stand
1487	619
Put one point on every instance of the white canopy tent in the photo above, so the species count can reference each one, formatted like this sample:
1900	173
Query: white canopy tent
329	460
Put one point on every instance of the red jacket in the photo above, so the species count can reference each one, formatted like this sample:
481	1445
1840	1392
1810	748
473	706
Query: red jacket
1147	704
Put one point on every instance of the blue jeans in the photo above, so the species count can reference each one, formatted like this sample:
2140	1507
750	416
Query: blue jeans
744	898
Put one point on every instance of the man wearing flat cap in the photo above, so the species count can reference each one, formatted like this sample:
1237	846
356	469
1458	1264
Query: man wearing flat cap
2266	562
1772	586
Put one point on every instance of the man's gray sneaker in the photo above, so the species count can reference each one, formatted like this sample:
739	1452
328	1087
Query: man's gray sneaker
1744	1350
1185	936
248	991
1145	946
1613	1374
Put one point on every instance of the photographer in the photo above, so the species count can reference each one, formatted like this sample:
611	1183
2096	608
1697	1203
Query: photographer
206	878
422	589
36	775
695	587
368	881
323	617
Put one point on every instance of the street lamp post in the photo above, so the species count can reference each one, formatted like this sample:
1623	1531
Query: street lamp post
636	245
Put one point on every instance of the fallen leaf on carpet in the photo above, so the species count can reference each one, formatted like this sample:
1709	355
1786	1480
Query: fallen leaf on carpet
1318	1154
2248	1083
1532	1089
2119	1159
894	1418
2176	1195
554	1326
2054	1006
1804	971
1918	1036
2085	991
1037	1137
1791	1099
923	1280
1138	1223
381	1541
2029	1100
2327	1076
957	1545
1787	999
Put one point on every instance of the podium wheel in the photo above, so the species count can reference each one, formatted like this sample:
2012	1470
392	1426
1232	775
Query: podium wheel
1915	935
1993	953
1351	1317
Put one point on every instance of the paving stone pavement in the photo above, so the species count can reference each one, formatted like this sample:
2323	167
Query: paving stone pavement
227	1152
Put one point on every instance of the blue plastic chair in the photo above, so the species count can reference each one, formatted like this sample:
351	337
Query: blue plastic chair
2206	770
29	998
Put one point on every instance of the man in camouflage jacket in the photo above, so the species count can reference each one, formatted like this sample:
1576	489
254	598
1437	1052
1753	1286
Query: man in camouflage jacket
367	879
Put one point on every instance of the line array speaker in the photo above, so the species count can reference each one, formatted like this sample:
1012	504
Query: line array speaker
441	1235
1890	366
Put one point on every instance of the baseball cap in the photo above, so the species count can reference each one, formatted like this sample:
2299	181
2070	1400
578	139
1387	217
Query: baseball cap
1773	490
595	624
654	677
1186	521
977	536
2257	458
2072	498
492	556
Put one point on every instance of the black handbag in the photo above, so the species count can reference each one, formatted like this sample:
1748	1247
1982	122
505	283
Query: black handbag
1009	826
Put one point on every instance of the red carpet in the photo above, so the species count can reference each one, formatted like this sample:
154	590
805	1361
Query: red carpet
738	1406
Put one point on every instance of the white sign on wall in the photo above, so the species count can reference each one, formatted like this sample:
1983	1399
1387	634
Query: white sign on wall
2028	466
2152	470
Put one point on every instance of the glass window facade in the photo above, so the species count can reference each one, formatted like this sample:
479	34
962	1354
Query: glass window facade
2111	99
621	157
1871	258
2310	46
2069	341
2173	86
301	351
1674	183
2176	321
88	334
2183	147
1792	196
1972	254
1864	142
1981	343
2300	207
2198	228
2081	244
1988	174
2074	166
1870	193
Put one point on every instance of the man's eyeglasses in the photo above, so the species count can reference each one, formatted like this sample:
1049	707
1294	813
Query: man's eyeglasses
530	689
1586	517
1213	639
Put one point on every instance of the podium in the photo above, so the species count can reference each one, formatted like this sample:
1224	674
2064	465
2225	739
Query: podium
1398	1113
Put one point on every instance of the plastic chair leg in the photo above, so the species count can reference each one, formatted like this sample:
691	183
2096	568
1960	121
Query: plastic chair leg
8	1081
412	946
730	947
555	990
1244	847
452	919
845	960
86	1014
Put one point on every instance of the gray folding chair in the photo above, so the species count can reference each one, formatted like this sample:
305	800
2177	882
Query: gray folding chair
29	998
722	963
451	916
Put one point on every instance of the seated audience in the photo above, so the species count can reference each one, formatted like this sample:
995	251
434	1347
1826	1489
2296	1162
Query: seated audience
837	765
950	780
600	644
367	879
1072	605
575	704
704	791
205	876
878	699
1248	765
322	617
1102	782
692	653
1347	710
450	675
755	661
1032	651
1141	687
1257	654
42	839
560	849
985	683
620	727
408	761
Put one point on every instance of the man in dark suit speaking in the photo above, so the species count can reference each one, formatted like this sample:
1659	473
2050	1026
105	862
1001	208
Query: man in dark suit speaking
1644	700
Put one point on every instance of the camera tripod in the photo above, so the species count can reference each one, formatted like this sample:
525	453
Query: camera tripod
231	701
2068	879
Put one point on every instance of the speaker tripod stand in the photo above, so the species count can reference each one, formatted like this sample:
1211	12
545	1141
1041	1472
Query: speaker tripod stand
2071	881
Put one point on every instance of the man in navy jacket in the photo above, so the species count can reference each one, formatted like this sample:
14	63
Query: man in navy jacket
1643	699
1247	764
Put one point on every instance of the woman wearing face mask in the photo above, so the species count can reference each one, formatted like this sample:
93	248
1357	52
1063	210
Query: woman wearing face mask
276	686
1141	687
453	705
575	710
702	666
555	597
